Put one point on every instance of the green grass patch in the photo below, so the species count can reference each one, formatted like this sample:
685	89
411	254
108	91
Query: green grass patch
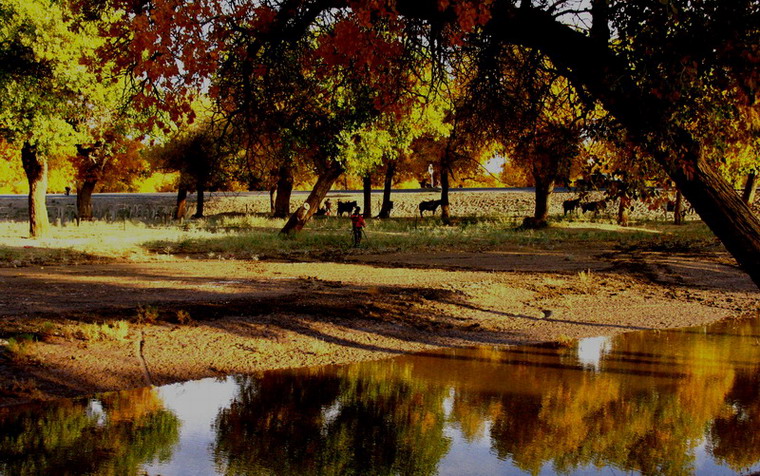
239	236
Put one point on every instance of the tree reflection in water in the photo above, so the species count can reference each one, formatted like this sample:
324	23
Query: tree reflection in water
646	410
112	435
649	404
370	419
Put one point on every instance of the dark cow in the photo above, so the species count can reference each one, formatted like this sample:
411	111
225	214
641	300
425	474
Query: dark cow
346	207
594	206
430	206
571	205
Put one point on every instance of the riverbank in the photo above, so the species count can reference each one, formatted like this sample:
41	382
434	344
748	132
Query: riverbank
81	329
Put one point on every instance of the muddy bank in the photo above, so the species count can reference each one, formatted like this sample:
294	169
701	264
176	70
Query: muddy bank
188	319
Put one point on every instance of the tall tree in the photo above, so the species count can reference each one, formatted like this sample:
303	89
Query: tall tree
42	85
650	64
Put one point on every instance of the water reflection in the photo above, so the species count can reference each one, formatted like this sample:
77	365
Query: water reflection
672	402
111	435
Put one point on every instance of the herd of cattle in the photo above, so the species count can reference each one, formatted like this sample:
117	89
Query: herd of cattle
349	207
568	206
594	207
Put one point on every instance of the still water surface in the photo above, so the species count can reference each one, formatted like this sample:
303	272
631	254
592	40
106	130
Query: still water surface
670	402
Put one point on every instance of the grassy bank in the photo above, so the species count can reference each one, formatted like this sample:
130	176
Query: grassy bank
256	237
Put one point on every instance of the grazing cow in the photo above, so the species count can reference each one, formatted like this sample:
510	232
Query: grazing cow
594	206
430	206
346	207
571	205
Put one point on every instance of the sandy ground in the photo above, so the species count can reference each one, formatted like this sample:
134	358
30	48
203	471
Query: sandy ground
248	316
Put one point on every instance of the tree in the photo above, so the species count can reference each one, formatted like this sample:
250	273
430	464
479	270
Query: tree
42	85
665	60
535	113
203	158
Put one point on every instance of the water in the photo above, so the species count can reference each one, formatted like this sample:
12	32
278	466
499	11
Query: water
670	402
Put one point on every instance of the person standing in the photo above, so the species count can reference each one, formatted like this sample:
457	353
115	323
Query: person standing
357	225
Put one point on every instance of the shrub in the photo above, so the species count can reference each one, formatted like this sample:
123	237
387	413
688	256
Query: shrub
183	317
146	314
106	331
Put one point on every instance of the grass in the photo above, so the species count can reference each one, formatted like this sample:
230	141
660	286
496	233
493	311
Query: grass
117	331
585	279
252	237
20	347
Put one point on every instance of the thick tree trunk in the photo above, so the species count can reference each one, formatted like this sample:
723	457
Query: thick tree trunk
200	201
678	209
325	181
750	187
36	169
284	192
387	206
367	182
181	210
544	189
84	199
723	210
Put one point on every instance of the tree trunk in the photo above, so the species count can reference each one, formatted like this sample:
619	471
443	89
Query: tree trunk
36	169
284	191
325	181
622	215
544	189
678	209
445	207
181	210
386	207
721	208
367	182
200	202
84	199
750	187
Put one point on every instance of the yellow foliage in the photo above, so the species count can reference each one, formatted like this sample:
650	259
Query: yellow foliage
60	177
12	178
158	182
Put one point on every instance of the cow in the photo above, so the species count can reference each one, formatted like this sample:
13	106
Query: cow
594	206
346	207
430	206
571	205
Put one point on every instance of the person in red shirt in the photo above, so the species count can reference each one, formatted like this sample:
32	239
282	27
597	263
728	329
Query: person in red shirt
357	225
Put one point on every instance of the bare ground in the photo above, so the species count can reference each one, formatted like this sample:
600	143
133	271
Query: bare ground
249	316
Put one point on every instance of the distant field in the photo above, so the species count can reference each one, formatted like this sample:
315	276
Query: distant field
157	207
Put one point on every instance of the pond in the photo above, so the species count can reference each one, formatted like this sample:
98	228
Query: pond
670	402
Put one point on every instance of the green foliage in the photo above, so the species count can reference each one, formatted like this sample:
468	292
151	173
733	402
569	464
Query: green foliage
43	83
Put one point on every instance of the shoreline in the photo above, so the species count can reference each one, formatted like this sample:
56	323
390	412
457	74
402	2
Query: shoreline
214	318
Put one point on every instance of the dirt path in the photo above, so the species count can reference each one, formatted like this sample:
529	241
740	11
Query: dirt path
252	316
